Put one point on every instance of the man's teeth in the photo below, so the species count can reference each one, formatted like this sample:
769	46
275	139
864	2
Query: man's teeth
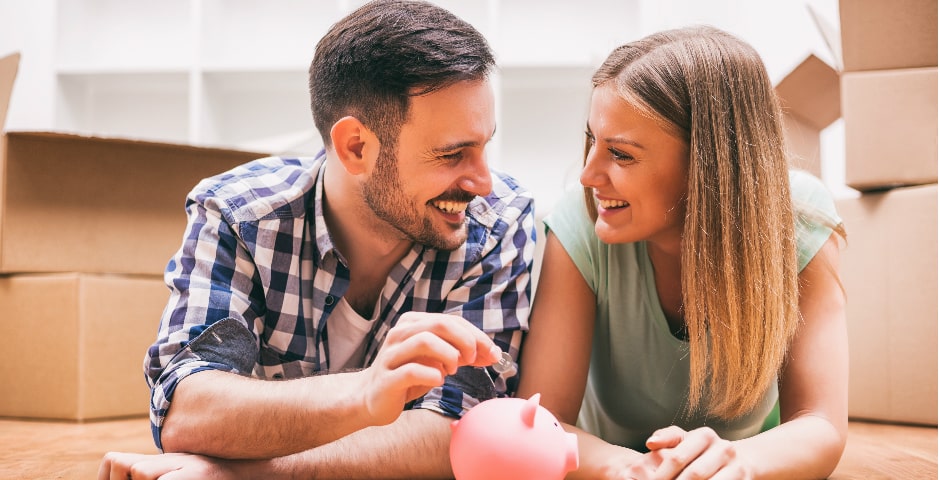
612	203
451	207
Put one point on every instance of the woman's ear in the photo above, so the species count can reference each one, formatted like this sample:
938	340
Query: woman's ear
355	145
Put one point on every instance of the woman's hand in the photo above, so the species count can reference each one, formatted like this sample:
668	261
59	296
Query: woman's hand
700	453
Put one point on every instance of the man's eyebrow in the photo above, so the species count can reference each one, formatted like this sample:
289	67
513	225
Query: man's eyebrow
458	145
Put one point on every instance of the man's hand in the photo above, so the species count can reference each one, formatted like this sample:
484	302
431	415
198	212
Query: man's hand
417	354
173	466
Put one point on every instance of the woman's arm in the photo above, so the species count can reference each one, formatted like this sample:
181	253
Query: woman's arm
814	383
813	400
556	354
557	349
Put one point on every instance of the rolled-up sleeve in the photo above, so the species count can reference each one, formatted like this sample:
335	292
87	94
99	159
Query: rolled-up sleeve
213	299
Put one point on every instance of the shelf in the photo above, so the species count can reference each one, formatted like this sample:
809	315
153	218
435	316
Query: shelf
151	106
267	111
562	32
249	34
112	35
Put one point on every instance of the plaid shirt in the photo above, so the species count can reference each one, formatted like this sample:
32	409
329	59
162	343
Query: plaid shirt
257	276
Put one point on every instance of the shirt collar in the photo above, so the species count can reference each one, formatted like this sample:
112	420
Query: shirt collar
324	242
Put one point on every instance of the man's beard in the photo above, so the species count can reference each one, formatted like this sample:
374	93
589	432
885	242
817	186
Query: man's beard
384	195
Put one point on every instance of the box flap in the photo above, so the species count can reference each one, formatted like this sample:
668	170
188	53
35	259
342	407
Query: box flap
811	92
95	188
830	34
8	66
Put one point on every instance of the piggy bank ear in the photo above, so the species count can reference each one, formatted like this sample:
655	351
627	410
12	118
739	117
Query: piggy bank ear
453	425
529	409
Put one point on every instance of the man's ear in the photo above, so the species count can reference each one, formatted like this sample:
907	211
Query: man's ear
355	145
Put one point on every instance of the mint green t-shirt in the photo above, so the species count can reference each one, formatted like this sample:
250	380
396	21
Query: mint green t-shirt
639	375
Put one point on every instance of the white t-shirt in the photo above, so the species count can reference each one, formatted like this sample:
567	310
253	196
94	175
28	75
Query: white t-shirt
347	332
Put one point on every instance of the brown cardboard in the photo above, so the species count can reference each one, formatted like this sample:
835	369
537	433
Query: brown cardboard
889	270
809	96
8	68
74	344
882	34
890	127
90	204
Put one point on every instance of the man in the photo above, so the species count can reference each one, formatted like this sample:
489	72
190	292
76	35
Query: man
381	262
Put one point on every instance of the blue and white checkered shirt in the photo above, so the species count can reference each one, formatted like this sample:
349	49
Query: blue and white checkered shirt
257	276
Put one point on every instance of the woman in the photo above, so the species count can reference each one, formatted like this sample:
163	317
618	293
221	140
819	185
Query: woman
692	289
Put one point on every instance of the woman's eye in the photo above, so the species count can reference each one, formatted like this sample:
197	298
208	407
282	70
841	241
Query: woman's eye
590	138
618	155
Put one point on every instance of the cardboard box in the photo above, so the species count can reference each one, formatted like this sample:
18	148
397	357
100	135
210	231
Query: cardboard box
882	34
809	96
886	53
74	344
890	127
889	270
89	204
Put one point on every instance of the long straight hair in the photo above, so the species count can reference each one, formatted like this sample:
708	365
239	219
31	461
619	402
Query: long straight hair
739	261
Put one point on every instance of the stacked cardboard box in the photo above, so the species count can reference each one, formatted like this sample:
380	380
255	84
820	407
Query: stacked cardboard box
809	96
889	266
87	225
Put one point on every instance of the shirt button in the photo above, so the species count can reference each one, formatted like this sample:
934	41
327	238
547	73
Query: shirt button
330	299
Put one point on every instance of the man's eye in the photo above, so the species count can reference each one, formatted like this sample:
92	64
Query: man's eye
458	155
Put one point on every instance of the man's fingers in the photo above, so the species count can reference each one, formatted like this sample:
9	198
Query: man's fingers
474	346
425	348
136	466
116	465
417	379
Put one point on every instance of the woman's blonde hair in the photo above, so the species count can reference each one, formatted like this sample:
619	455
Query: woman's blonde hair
739	261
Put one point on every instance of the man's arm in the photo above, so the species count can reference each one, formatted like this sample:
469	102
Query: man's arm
226	415
274	418
414	446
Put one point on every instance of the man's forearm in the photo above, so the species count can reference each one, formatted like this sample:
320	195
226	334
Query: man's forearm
228	416
415	446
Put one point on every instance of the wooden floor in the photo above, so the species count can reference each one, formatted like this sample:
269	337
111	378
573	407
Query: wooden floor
60	450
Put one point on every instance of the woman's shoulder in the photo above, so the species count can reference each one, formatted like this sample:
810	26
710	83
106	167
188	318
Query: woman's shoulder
814	211
808	192
568	218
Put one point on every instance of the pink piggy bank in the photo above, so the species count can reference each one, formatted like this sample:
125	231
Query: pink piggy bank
511	439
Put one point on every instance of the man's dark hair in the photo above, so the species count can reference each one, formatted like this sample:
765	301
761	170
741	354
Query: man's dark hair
372	61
